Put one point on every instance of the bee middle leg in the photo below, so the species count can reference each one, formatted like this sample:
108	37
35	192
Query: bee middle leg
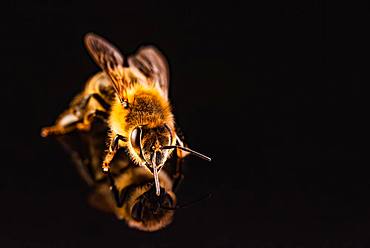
76	117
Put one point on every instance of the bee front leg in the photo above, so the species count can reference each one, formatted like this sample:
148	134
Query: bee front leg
113	148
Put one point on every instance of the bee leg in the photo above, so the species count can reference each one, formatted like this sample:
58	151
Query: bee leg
58	129
181	153
98	114
70	122
113	148
87	120
116	194
74	118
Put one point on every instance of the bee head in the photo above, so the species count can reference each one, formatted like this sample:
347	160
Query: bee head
153	146
147	143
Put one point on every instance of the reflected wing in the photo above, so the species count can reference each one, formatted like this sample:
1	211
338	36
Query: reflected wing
109	59
151	63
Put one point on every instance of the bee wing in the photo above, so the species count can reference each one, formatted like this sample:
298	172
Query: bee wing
109	59
151	63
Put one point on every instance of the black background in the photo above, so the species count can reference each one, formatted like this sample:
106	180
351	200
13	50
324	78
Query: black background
272	91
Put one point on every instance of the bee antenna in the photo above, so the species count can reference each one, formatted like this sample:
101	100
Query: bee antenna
188	204
188	150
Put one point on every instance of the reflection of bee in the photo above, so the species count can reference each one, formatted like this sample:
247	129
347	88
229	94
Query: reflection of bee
134	101
128	191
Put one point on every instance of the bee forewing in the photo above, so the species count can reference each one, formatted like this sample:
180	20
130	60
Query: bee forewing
109	59
151	63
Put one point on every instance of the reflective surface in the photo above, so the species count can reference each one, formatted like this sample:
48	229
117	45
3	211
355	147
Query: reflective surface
272	92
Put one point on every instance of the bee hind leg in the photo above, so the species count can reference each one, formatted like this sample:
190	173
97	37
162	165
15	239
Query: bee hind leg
76	118
70	122
65	124
85	123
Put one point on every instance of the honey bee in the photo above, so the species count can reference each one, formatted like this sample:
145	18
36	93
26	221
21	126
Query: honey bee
134	101
127	191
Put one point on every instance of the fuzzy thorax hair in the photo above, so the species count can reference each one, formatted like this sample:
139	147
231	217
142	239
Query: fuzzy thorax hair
146	107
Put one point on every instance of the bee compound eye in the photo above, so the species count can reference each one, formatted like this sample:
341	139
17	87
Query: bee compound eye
135	138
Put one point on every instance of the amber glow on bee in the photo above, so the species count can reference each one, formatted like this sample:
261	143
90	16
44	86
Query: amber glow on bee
133	100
